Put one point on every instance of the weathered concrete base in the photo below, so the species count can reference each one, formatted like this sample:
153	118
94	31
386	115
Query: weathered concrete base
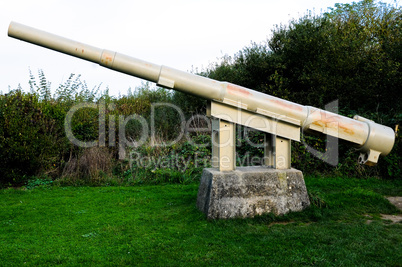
250	191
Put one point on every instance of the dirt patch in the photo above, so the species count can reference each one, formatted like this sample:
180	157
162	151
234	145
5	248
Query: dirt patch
393	218
386	217
396	201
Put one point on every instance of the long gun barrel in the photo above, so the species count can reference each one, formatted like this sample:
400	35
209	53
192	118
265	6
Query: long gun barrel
370	138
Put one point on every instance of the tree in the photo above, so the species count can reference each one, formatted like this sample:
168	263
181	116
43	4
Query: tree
351	53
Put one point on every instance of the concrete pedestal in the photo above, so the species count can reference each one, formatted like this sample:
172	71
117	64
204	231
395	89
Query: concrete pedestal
249	191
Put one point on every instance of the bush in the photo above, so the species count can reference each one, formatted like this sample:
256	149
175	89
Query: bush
33	141
30	139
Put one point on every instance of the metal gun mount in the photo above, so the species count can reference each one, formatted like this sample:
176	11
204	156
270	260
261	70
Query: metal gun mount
231	104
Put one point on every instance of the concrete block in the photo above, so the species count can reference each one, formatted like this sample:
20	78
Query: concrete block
250	191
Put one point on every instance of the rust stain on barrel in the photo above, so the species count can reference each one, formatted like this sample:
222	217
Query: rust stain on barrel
347	128
106	59
238	90
287	105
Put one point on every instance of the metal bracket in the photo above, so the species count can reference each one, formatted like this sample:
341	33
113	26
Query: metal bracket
278	136
223	145
277	151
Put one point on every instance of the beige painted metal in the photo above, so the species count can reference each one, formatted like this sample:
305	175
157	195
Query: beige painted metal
379	138
282	153
277	151
371	138
223	145
253	120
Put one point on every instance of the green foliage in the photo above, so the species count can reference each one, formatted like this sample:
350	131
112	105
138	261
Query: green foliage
33	140
175	163
343	54
153	104
317	199
39	182
29	137
190	105
32	134
392	165
249	147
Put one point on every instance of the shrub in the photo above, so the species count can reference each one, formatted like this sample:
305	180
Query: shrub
29	139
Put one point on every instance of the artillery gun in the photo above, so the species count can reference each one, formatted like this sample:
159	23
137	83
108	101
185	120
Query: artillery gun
228	105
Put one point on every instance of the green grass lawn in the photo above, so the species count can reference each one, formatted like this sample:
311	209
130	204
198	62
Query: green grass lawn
160	225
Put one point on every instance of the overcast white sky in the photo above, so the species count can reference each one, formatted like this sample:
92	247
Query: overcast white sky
182	34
